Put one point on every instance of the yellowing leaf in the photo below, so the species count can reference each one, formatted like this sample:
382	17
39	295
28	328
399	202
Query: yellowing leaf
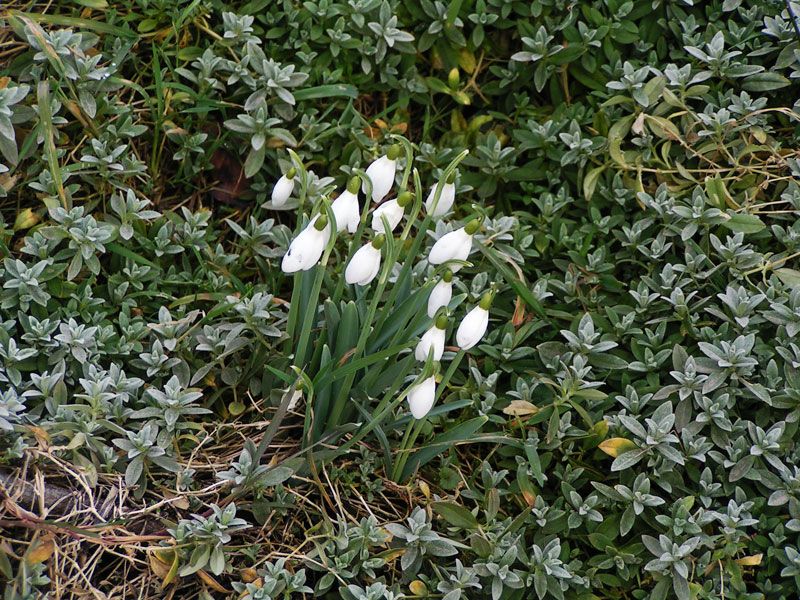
530	499
25	219
600	428
164	564
466	60
425	489
590	181
521	408
462	98
477	122
236	408
616	446
454	79
41	435
393	555
41	550
7	182
418	588
750	561
157	566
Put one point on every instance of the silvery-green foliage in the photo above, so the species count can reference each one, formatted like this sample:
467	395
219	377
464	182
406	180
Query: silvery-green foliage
276	582
143	449
10	96
547	571
12	409
374	591
204	538
129	210
632	163
419	540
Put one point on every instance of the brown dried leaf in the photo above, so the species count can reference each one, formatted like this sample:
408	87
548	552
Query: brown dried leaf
212	583
248	575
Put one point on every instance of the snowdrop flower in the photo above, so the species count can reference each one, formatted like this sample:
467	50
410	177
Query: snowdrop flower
421	396
365	264
393	211
283	188
441	294
454	246
306	249
474	325
381	173
345	207
446	198
432	340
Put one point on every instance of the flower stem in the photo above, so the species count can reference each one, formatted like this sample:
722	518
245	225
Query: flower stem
415	426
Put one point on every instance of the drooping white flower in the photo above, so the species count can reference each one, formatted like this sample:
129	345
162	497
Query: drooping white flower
432	340
446	198
473	326
365	264
345	207
454	246
283	188
421	396
381	173
441	294
306	249
393	211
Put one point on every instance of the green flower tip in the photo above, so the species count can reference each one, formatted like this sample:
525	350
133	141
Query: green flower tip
448	276
486	300
354	184
377	243
393	152
322	222
441	321
405	198
291	173
472	226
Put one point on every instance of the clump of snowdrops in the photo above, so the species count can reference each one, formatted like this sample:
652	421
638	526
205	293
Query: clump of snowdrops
382	226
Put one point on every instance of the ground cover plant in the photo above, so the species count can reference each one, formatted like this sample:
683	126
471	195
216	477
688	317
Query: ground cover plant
382	299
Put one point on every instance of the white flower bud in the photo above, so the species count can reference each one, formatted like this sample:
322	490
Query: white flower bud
440	296
283	189
455	245
433	339
306	249
446	199
364	265
393	213
421	396
345	209
381	173
472	328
